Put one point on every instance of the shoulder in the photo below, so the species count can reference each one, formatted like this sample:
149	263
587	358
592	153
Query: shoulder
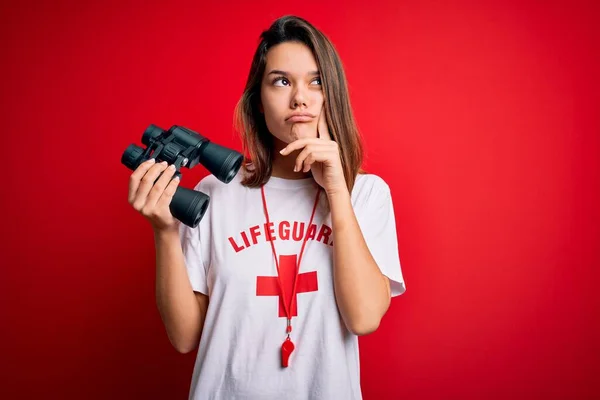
370	193
369	185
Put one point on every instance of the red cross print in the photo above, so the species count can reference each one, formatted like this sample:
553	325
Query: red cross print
268	285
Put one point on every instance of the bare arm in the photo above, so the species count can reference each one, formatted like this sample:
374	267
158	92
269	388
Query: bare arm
151	189
182	310
362	291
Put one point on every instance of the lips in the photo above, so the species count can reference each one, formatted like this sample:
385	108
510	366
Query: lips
300	118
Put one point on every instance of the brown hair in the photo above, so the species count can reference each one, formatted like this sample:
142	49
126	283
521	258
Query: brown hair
257	141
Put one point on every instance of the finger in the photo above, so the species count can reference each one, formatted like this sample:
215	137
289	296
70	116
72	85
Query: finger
298	144
310	160
136	176
310	154
146	184
167	195
317	156
159	187
299	164
322	128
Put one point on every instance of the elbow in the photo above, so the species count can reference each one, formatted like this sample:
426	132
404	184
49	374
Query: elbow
365	327
182	345
183	348
367	321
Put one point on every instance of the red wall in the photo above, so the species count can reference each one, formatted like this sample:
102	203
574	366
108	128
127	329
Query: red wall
483	118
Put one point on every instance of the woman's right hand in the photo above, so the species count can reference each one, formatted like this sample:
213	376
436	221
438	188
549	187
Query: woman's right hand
151	199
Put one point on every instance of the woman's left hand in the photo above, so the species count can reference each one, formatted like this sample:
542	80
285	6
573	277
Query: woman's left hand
321	156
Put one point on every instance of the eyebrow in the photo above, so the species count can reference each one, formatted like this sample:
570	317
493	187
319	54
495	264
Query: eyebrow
279	72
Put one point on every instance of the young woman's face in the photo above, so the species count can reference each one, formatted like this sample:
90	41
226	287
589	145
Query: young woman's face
291	94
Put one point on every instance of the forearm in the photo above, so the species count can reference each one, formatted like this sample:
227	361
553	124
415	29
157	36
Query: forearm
362	291
175	298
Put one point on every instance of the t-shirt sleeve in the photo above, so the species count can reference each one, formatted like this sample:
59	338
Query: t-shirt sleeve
192	256
378	225
191	244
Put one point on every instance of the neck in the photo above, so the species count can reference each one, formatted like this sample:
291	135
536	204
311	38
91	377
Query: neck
283	166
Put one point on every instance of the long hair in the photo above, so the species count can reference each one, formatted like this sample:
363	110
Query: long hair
257	141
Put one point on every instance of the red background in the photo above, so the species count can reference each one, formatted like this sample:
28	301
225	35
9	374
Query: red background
482	117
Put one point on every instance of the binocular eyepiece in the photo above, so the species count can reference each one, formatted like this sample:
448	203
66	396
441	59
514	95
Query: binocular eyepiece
183	147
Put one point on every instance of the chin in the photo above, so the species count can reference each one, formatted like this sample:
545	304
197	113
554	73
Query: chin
303	133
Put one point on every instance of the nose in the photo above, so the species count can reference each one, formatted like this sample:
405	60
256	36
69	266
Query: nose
299	98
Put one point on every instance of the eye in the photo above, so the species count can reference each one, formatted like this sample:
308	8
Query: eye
318	80
281	81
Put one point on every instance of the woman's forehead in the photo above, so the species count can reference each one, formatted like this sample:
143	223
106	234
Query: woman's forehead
292	58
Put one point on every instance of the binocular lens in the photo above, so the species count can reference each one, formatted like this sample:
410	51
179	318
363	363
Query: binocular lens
132	156
189	206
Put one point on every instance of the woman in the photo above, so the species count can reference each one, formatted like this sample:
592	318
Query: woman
296	256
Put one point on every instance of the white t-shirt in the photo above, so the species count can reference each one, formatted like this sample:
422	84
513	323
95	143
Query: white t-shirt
229	259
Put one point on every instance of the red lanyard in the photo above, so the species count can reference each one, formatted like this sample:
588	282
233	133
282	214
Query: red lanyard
288	346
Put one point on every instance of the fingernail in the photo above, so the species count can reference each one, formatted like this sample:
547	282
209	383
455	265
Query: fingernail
295	169
172	166
150	161
281	151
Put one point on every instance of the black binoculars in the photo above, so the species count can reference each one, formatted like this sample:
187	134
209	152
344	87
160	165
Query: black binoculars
183	147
